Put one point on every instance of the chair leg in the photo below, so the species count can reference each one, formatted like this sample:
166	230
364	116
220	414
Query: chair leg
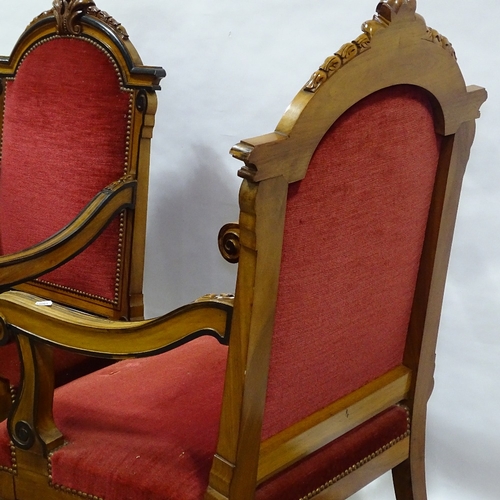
409	480
401	478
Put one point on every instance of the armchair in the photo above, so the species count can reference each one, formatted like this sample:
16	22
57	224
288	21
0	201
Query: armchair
346	220
77	113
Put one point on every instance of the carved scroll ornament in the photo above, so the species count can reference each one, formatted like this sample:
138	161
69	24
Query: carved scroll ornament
229	242
387	13
68	14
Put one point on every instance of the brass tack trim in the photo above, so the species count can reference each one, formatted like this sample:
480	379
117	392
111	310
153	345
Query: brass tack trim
119	269
13	468
13	393
362	462
3	120
77	292
60	487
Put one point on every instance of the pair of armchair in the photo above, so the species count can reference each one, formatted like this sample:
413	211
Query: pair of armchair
313	379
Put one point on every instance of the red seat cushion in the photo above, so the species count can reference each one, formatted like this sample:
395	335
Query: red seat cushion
143	428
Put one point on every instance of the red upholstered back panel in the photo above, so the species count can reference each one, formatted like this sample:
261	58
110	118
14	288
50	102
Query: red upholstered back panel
354	231
64	139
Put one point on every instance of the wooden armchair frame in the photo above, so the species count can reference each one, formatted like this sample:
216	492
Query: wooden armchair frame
243	461
126	197
377	59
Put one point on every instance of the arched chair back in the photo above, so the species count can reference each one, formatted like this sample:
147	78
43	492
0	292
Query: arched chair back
347	213
77	114
77	111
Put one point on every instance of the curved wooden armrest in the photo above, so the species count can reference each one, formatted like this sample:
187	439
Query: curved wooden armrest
100	337
74	238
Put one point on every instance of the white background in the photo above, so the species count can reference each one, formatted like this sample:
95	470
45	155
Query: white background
233	66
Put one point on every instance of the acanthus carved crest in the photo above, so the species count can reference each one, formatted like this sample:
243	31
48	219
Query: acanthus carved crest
68	14
435	37
387	13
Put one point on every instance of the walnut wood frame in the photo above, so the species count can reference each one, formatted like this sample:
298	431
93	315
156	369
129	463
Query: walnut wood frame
83	19
272	162
375	60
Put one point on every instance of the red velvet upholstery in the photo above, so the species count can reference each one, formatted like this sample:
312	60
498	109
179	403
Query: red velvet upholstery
333	460
148	428
353	236
144	429
63	140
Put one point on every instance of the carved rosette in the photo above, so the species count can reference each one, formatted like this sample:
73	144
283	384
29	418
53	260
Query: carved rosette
387	13
68	14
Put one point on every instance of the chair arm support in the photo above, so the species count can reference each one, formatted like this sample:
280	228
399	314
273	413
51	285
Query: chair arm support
100	337
70	241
